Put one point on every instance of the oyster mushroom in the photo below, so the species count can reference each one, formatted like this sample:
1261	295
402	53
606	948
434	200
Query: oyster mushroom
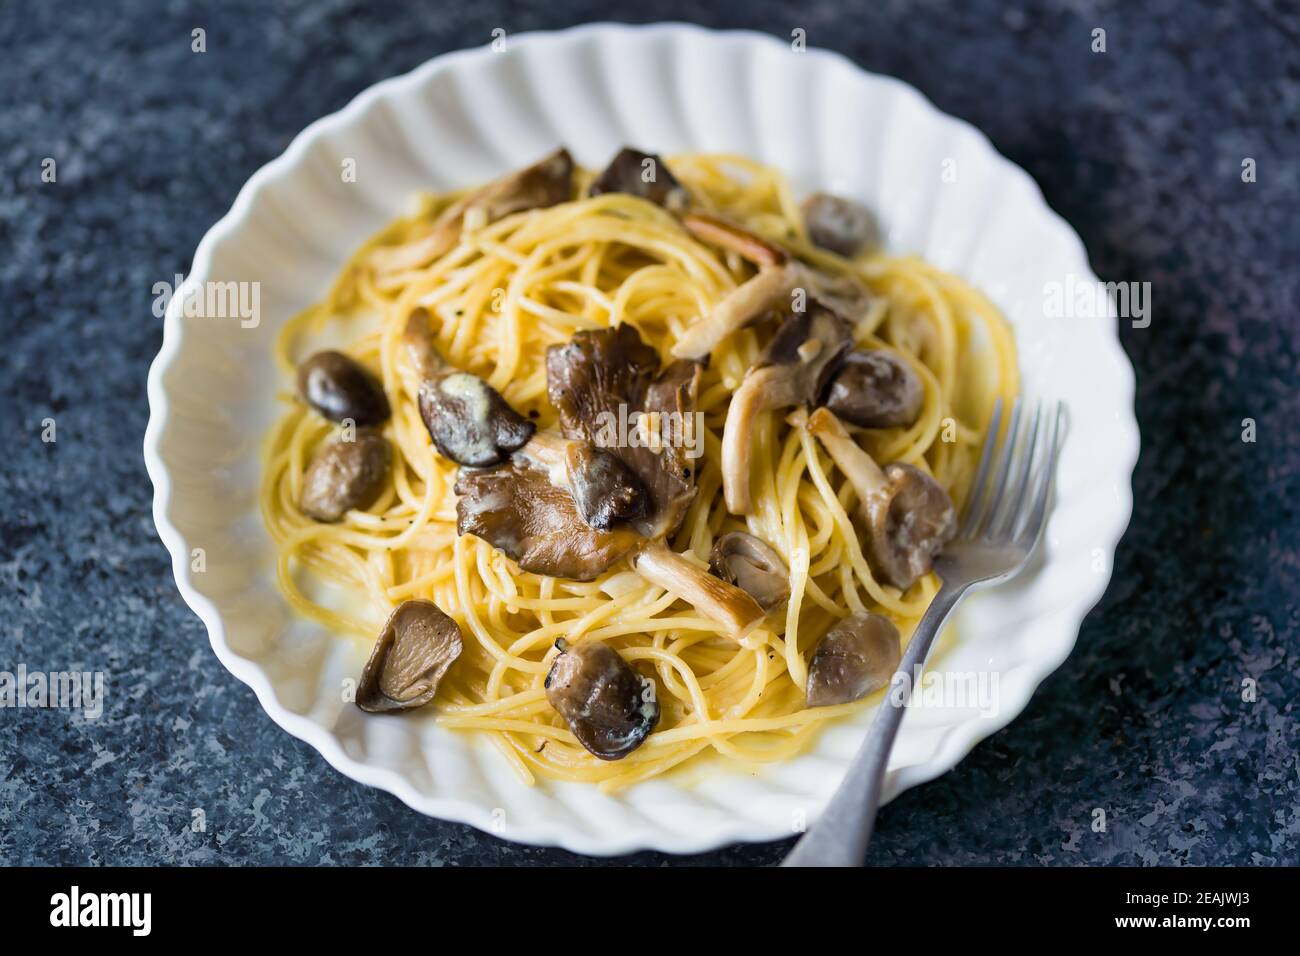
525	510
761	296
610	708
875	389
792	371
529	508
339	388
604	489
719	231
545	183
857	657
467	418
414	650
752	565
905	515
642	174
771	292
344	475
603	376
839	225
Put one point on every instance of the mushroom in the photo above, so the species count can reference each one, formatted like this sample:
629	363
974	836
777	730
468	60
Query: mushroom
857	657
525	510
344	475
604	489
414	650
530	508
875	389
545	183
467	418
749	302
642	174
609	706
770	292
339	388
752	565
839	225
905	515
719	231
792	371
603	376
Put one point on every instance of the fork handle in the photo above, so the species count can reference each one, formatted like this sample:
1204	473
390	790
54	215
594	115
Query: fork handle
840	837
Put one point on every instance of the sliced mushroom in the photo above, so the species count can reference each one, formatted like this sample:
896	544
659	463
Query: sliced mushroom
792	371
719	601
905	515
875	389
546	183
524	510
344	475
642	174
415	649
602	373
339	388
751	301
752	565
605	490
840	225
610	708
857	657
719	231
772	292
467	418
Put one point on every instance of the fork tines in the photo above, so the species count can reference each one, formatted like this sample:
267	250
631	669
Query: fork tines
1008	498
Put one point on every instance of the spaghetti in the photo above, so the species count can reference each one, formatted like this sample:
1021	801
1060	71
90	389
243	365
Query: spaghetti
497	298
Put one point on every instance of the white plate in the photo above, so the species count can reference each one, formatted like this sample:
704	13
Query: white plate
465	117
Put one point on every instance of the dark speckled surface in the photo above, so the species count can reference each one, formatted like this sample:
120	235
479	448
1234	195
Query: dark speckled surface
1140	148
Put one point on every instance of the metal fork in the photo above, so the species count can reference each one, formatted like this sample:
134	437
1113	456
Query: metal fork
1001	525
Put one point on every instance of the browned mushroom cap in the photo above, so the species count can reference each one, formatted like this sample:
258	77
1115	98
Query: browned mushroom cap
752	565
415	649
875	389
605	490
906	516
601	372
469	421
792	371
642	174
546	183
840	225
467	418
339	388
857	657
344	475
519	509
609	706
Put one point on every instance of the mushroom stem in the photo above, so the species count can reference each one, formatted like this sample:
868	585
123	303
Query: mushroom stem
723	603
749	400
862	472
417	336
740	307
